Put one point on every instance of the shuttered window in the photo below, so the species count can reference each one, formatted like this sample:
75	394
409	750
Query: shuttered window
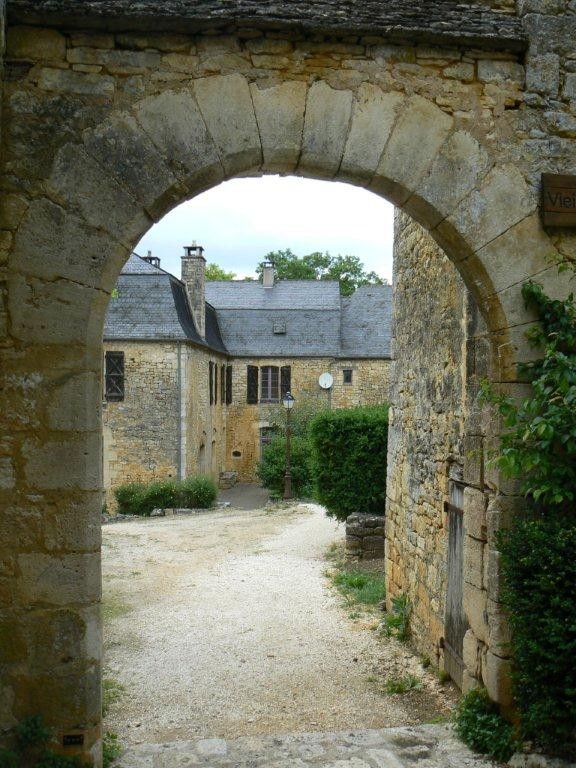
114	376
215	383
223	384
252	385
285	380
228	384
211	381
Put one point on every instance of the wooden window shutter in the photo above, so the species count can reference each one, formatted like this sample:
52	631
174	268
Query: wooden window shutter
215	383
252	385
222	384
285	380
228	384
114	376
211	381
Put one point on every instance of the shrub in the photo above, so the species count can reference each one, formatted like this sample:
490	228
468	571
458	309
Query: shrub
539	570
360	586
349	455
397	622
481	727
111	749
402	684
129	498
198	492
161	494
272	466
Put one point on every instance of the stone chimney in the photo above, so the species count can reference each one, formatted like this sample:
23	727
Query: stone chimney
154	260
194	278
268	274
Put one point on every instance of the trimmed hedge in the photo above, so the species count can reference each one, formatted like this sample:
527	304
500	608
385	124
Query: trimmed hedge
539	568
140	498
272	466
349	460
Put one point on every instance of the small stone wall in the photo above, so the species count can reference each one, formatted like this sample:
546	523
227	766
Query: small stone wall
365	536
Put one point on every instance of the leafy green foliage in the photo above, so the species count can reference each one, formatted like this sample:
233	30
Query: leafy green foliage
540	443
397	622
112	692
301	416
197	492
31	732
31	738
404	684
360	586
52	760
349	451
214	272
348	270
272	466
479	724
111	749
140	498
9	759
539	568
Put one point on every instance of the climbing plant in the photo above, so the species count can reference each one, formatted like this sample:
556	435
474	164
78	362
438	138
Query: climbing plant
539	567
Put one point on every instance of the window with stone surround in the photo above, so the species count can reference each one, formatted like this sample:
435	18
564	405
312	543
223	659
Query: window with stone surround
347	375
114	376
269	384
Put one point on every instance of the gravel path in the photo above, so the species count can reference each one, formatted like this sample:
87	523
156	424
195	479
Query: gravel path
223	625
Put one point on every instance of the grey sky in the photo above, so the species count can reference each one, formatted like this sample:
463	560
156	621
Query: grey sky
240	221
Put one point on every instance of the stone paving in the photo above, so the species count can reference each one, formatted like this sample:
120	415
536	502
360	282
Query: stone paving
424	746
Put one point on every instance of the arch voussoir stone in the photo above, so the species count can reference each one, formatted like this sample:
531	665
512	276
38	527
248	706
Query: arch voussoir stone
280	113
228	112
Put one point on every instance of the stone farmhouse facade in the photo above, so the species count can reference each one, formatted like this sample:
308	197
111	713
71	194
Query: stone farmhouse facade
192	368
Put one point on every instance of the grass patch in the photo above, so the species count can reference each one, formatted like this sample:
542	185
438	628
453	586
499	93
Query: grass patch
402	684
360	586
112	691
111	749
113	606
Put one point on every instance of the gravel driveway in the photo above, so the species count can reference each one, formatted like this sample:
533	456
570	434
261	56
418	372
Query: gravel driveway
223	625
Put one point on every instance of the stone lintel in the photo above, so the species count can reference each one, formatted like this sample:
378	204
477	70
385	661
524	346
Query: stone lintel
437	22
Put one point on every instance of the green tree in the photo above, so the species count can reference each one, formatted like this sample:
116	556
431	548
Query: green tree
348	270
214	272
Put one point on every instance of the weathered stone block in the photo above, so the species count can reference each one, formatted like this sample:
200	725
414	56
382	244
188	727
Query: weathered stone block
471	654
373	118
569	89
63	464
474	460
475	513
421	124
71	405
326	125
60	580
474	602
496	678
493	574
12	209
34	43
500	72
280	117
543	74
499	633
175	122
473	569
67	81
227	109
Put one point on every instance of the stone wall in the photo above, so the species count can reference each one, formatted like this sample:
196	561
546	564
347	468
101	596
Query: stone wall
369	387
165	427
440	353
364	536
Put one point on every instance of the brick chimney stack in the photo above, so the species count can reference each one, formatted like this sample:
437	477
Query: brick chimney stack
268	274
194	278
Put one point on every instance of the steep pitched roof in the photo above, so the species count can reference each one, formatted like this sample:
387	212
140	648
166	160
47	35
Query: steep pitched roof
150	304
302	318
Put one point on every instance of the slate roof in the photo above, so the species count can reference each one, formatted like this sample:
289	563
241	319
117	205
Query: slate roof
294	318
151	305
316	320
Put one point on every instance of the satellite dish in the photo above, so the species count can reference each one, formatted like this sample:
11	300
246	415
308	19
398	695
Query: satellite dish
326	380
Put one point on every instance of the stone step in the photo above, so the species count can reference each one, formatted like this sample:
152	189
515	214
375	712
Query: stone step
424	746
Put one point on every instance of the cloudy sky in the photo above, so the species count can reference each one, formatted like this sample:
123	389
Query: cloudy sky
240	221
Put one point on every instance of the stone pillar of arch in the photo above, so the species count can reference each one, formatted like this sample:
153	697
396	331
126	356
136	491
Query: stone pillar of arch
100	182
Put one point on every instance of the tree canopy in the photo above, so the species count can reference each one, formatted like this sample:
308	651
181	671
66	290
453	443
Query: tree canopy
214	272
347	269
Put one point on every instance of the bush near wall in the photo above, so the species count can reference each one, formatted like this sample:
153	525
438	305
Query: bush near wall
141	498
271	468
349	460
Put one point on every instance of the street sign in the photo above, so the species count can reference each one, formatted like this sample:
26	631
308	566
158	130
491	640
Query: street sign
558	200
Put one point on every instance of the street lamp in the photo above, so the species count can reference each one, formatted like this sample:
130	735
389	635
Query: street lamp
288	403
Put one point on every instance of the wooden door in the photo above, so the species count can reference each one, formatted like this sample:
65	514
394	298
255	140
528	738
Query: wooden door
456	623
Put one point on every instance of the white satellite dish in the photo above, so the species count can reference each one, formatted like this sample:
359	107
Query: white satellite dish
326	380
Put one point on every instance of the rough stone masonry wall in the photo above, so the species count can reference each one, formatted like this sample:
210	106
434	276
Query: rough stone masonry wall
165	421
370	379
439	350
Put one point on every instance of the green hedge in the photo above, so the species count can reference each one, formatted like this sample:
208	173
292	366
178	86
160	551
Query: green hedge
271	468
349	460
141	498
539	568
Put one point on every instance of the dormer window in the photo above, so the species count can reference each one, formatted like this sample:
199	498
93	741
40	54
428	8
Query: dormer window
279	327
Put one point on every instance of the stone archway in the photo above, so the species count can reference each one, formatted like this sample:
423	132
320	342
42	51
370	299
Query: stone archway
122	159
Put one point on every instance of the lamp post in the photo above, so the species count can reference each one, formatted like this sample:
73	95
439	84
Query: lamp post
288	403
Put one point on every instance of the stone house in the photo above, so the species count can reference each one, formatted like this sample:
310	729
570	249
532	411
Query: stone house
192	368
